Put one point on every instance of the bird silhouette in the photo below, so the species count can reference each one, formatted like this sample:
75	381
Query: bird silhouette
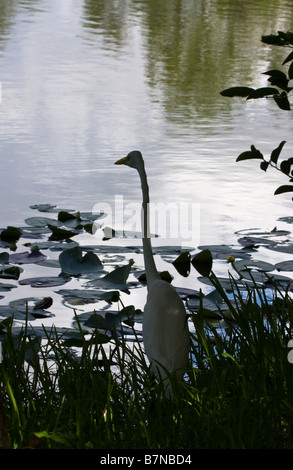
165	329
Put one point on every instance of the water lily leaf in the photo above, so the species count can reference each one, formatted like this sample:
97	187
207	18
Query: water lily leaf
248	265
203	262
29	305
6	287
186	293
285	266
10	273
282	248
182	263
10	234
255	242
88	296
42	222
120	274
44	207
45	281
72	262
44	303
4	257
61	233
27	257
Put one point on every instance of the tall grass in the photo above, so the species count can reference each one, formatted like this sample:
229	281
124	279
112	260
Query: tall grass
237	391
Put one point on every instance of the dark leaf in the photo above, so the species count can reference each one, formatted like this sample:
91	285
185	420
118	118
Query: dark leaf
252	154
119	275
282	101
10	234
286	166
203	262
264	166
274	40
72	262
276	152
182	263
277	78
237	91
288	58
290	71
63	216
284	189
262	92
60	234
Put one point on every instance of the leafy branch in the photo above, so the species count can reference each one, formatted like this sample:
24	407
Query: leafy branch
281	95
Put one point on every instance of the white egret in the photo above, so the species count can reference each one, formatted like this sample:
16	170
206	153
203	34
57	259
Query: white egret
165	330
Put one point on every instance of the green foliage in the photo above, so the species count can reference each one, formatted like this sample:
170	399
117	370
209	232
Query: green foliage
237	390
285	84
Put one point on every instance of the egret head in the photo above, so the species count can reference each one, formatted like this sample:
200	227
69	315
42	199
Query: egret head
133	159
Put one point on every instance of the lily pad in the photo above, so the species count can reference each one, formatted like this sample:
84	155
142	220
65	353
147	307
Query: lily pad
4	258
32	306
61	233
88	296
72	262
6	287
52	281
248	265
42	222
10	273
182	263
119	275
285	266
10	234
27	257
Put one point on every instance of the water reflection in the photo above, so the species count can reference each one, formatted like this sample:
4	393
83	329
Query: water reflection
86	81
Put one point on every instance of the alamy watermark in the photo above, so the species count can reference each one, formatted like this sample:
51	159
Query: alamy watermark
169	221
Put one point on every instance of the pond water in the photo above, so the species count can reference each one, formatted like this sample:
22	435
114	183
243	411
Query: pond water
83	82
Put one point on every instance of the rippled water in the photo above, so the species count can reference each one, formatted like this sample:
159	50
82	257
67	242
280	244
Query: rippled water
86	81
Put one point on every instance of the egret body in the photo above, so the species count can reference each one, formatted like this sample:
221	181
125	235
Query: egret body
165	330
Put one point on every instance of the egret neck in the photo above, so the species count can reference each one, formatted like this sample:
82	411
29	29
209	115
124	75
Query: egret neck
150	267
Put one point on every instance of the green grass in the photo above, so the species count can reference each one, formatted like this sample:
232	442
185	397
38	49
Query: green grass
238	389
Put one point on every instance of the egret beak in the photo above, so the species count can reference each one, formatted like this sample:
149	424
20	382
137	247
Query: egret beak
122	161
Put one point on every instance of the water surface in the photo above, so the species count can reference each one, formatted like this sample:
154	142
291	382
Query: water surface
86	81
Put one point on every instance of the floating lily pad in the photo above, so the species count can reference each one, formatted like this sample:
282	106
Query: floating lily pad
44	207
27	257
50	281
4	258
35	307
119	275
10	234
186	293
61	233
10	273
6	287
72	262
248	265
285	266
42	222
253	242
283	248
88	296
